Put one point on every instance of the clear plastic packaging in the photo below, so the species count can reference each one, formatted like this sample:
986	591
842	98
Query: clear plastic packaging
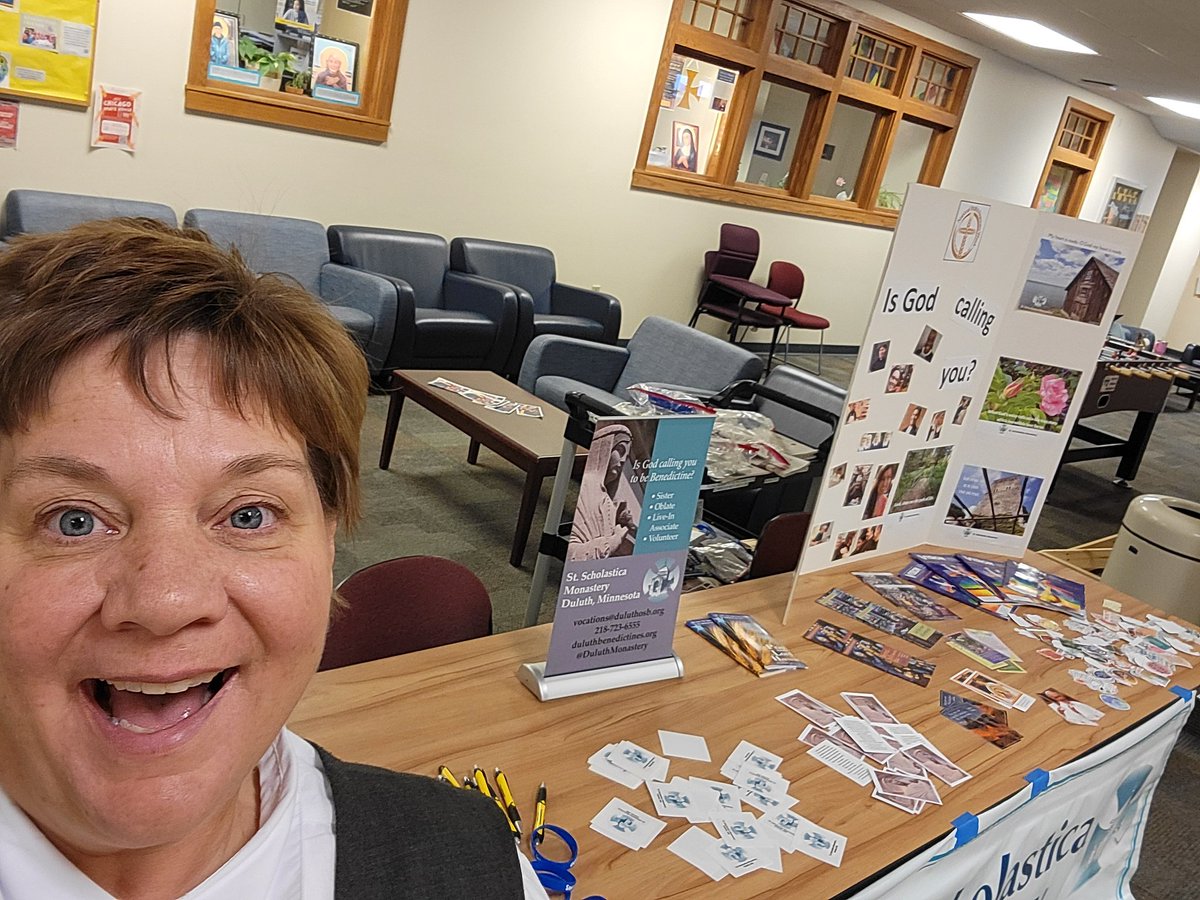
716	554
744	443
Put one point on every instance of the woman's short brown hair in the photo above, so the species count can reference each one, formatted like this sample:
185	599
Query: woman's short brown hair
145	285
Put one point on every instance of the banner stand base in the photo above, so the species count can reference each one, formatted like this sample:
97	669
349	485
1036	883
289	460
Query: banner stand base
555	687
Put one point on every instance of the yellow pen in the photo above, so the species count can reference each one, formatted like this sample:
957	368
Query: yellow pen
539	811
482	783
448	776
509	802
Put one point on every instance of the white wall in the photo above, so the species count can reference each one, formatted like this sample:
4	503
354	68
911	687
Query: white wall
1175	307
1185	325
1160	276
521	122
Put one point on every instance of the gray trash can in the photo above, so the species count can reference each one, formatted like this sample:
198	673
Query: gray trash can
1157	554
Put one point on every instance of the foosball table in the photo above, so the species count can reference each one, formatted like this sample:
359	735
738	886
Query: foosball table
1127	378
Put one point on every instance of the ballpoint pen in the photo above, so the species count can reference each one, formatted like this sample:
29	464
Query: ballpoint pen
539	811
448	776
507	797
481	782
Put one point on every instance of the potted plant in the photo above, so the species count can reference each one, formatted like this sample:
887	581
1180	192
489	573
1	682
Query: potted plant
271	66
301	82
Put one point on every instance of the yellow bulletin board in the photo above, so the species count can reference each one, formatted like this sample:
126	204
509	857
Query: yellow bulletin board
46	49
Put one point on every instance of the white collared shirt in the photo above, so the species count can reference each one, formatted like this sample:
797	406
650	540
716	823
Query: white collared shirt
291	856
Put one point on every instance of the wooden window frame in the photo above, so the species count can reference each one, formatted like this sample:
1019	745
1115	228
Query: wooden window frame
754	59
1083	164
369	121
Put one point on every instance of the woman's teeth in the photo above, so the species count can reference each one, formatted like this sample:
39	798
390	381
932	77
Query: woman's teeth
150	687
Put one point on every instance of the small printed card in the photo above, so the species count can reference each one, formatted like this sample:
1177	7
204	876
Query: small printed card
987	686
627	824
824	717
747	754
699	848
683	746
639	761
842	762
871	708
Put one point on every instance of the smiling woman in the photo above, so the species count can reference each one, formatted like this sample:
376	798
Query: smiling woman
178	446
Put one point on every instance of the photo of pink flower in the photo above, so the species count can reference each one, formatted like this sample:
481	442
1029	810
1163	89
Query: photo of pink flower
1031	395
1055	395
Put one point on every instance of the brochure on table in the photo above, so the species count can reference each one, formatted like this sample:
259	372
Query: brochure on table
628	546
986	330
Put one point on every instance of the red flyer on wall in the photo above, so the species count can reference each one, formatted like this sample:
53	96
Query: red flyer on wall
9	113
115	117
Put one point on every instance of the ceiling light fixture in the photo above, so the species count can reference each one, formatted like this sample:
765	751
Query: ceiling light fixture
1183	107
1027	31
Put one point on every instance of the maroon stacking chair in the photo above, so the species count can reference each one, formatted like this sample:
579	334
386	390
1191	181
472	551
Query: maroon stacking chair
779	545
729	294
406	604
787	280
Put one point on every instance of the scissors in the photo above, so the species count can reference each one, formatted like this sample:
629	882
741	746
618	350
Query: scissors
555	874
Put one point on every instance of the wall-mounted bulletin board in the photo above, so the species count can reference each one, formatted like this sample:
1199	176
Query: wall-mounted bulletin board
46	49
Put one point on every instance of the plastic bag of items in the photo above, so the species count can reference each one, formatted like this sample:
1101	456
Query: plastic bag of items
714	554
744	443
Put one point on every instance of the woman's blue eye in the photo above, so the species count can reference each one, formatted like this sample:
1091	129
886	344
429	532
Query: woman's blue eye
248	517
76	523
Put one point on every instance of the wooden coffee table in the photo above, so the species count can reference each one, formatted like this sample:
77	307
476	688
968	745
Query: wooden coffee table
532	445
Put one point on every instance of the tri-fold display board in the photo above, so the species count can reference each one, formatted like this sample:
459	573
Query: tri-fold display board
985	332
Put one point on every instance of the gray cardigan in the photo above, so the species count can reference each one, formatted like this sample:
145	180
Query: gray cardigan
407	836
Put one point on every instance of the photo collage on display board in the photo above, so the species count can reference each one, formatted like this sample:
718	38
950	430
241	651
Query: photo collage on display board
900	453
975	360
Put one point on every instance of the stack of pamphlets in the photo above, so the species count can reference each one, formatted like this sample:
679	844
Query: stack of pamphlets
993	586
746	642
493	402
872	653
873	747
881	617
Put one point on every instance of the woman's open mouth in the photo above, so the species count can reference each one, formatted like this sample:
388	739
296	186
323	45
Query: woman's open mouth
150	707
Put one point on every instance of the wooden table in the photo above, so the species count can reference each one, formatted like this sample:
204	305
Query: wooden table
461	705
532	445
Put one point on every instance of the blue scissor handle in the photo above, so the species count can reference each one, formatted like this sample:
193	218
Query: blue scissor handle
554	874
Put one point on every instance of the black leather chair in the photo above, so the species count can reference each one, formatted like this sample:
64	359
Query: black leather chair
444	319
547	306
803	407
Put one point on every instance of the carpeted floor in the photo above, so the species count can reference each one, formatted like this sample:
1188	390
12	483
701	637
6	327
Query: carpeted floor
432	502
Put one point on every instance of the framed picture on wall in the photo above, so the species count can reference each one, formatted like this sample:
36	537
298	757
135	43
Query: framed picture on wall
685	146
333	63
771	140
1123	200
222	50
302	14
362	7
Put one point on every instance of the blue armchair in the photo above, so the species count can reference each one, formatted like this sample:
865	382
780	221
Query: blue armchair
444	319
41	212
660	352
365	304
546	305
